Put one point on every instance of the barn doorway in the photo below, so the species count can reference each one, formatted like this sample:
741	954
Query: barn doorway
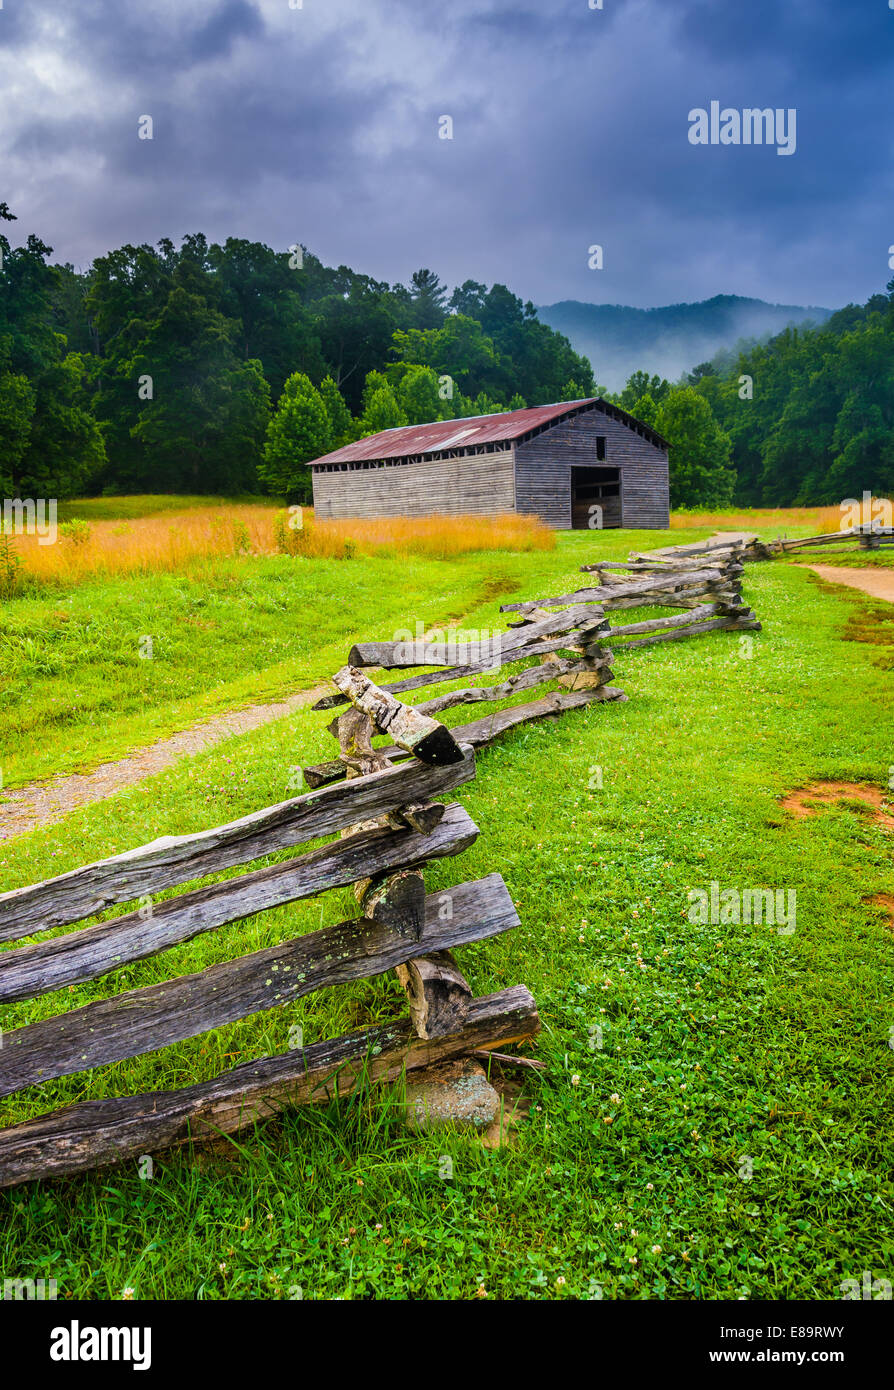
591	488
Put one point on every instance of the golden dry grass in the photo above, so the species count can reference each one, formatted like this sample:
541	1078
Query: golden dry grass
750	519
174	542
821	521
436	537
169	542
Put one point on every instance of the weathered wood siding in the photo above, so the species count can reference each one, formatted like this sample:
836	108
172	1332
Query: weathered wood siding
543	471
532	477
478	484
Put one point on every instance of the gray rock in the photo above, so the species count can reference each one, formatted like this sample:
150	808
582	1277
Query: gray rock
456	1092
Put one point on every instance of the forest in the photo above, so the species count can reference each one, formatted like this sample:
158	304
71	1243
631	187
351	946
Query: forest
223	369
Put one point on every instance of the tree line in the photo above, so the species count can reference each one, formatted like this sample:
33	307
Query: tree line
223	369
803	419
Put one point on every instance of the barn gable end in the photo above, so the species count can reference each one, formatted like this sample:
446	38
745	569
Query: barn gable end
545	466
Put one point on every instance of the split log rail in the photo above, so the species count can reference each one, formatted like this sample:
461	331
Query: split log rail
709	591
389	828
570	651
380	802
869	536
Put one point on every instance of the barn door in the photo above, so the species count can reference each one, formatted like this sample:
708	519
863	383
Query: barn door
592	487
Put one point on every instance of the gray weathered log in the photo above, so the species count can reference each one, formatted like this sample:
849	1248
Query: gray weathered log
524	680
579	596
711	546
98	1132
831	538
730	624
669	583
397	901
176	859
537	709
425	738
645	590
498	651
483	731
684	597
638	566
437	991
536	648
354	731
144	1020
539	615
705	610
29	971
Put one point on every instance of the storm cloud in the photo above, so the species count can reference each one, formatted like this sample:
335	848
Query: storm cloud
320	124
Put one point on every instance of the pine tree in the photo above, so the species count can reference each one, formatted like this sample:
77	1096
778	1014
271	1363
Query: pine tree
299	431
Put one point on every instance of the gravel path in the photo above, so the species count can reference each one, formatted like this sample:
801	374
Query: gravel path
44	803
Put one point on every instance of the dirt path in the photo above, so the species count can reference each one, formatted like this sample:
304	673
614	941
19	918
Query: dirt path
878	583
44	803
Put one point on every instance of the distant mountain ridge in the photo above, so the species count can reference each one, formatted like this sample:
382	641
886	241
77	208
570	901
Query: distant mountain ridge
618	338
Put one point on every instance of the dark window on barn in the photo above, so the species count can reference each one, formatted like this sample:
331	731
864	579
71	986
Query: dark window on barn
600	446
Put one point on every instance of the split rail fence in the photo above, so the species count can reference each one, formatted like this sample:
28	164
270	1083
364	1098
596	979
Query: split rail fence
709	591
566	639
583	672
868	537
380	802
389	828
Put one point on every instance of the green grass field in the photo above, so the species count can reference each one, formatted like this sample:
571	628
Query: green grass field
731	1137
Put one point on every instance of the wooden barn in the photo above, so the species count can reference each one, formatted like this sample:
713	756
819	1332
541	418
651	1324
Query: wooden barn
558	462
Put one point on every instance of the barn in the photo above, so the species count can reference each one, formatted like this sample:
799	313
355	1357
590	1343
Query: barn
559	462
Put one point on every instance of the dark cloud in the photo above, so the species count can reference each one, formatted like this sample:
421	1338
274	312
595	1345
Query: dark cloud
817	37
570	128
238	19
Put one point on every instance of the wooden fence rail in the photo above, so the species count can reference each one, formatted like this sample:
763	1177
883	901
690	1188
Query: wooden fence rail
389	827
685	584
380	802
869	536
29	971
178	859
144	1020
96	1132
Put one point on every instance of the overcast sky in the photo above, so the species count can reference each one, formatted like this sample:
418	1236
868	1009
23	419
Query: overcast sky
320	124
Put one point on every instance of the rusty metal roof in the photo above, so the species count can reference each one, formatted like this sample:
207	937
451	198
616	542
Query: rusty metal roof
441	435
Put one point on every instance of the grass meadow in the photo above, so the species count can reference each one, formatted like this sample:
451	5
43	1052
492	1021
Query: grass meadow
731	1136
